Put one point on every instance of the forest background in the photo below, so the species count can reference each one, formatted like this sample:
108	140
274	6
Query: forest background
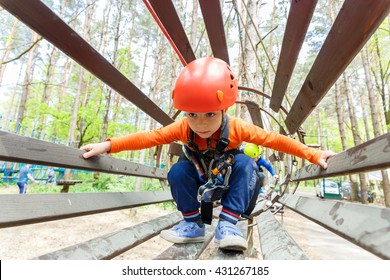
45	94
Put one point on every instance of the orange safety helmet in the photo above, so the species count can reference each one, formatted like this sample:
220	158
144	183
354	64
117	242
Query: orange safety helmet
205	85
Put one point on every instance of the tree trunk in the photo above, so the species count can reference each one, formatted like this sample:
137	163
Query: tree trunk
194	23
374	113
109	92
48	85
381	82
80	86
355	134
340	116
27	79
139	114
319	129
363	101
153	92
7	50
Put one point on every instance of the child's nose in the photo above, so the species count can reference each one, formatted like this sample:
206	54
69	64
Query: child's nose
203	122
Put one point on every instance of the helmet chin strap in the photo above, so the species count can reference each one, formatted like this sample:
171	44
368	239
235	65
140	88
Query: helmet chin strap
223	122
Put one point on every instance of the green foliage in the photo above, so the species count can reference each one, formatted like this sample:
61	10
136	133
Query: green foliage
2	184
103	183
43	188
168	206
329	136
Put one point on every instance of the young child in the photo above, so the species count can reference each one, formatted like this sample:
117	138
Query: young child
254	152
25	175
204	90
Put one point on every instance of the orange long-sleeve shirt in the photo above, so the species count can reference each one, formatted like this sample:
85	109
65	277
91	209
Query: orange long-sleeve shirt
239	131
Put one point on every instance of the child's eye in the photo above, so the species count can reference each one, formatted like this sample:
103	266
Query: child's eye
210	114
191	115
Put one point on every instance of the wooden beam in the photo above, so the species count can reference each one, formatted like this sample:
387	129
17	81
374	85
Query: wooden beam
16	148
369	156
113	244
354	25
364	225
276	243
212	15
44	21
297	24
166	12
19	210
188	251
254	111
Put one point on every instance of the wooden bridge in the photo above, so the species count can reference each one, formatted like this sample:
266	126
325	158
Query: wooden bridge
365	225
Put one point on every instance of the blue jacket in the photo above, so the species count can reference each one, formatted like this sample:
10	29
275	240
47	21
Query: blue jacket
23	174
262	162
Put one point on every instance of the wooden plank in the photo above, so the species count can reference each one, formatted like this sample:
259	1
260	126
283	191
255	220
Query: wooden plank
365	225
275	242
212	16
24	149
175	149
169	18
354	25
19	210
369	156
42	20
254	111
188	251
114	244
259	208
297	24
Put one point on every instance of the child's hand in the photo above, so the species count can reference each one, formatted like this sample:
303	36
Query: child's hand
96	149
324	157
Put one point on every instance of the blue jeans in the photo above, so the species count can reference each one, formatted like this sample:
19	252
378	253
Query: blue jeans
184	182
22	187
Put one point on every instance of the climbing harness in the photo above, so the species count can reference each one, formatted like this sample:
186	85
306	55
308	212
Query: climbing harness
215	187
214	169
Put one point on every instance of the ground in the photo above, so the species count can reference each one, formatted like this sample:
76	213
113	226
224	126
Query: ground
26	242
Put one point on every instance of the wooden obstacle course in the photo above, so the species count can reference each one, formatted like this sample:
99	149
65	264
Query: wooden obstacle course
371	224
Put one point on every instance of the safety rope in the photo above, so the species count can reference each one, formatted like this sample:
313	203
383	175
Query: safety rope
157	19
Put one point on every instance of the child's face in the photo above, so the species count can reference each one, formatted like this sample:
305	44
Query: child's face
205	124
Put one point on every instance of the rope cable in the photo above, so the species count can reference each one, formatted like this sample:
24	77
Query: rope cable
157	19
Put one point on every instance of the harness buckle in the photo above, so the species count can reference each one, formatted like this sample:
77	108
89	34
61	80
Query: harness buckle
217	185
210	192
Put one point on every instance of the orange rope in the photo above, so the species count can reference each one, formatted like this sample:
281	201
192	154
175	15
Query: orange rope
156	18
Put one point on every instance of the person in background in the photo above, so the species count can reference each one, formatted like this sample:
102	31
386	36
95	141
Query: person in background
51	175
254	151
25	175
